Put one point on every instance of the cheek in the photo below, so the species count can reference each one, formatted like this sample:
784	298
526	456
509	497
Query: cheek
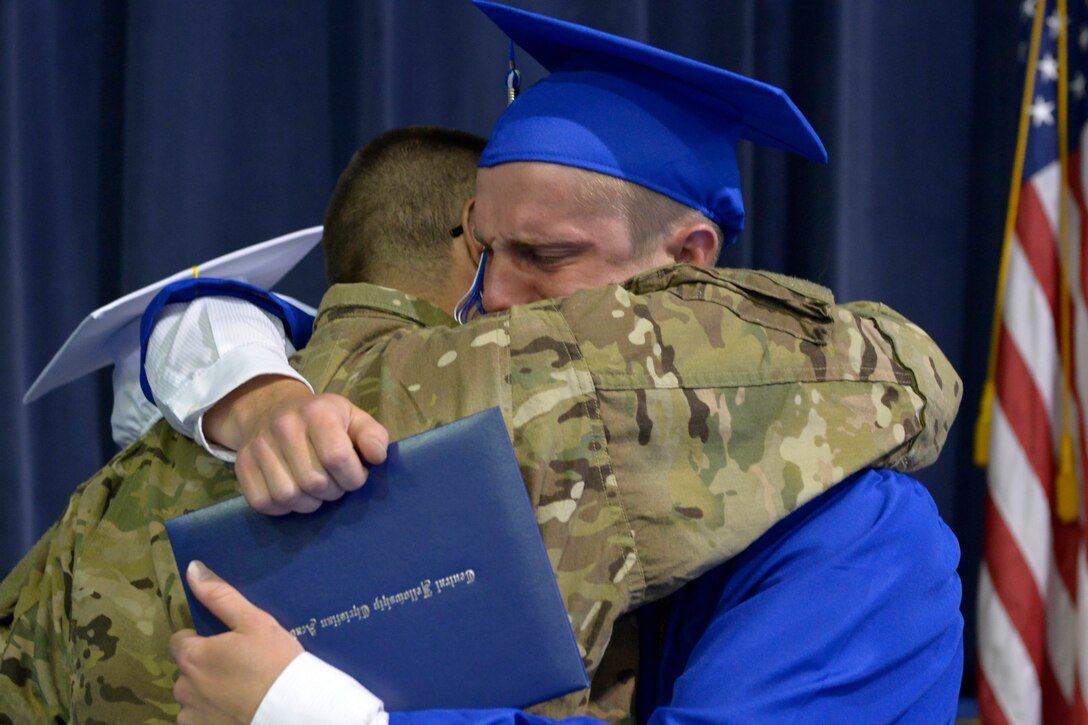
551	287
506	285
550	284
602	272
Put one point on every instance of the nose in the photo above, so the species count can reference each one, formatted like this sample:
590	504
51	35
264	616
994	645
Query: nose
504	285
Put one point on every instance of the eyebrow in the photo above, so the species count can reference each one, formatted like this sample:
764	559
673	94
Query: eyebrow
525	244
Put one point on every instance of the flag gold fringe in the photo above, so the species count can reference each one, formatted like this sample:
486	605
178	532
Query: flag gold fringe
1066	503
982	425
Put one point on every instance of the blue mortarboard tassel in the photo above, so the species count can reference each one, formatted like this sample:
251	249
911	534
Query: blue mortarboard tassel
513	78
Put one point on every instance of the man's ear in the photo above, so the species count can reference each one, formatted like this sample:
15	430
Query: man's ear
695	244
472	247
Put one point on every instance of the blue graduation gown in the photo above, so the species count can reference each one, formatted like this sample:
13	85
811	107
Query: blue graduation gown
845	611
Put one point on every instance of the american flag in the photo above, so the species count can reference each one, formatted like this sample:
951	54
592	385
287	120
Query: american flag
1033	588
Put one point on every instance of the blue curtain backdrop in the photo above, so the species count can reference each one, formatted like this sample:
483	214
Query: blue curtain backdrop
141	138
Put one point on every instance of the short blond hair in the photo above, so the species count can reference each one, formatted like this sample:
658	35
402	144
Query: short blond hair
650	216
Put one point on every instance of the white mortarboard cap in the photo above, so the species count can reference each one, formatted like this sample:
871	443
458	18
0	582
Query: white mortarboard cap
111	333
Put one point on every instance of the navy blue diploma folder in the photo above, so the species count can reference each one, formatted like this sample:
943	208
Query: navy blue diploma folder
430	585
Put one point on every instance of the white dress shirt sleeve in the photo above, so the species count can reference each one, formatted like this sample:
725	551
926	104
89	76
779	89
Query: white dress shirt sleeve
310	690
200	351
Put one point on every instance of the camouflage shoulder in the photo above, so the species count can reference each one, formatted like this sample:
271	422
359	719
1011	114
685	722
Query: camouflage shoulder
796	284
935	380
859	340
355	318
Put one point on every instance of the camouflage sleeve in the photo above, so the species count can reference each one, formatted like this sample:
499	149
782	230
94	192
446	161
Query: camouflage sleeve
660	426
86	616
730	398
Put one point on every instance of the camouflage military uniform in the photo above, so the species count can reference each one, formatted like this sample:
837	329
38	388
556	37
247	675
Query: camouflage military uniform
661	426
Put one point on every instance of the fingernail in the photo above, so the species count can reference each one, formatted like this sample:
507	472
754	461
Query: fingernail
198	571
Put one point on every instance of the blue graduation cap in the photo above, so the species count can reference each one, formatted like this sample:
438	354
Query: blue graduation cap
628	110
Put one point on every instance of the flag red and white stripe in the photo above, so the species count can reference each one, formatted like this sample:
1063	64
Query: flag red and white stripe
1033	587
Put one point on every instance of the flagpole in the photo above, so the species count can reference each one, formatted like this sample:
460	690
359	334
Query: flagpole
1065	482
985	416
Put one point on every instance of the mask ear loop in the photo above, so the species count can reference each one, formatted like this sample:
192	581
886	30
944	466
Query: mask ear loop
471	305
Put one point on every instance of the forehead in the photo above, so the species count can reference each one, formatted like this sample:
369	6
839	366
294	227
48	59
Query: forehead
531	203
531	179
520	191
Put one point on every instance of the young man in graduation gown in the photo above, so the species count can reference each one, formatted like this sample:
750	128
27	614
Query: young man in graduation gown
545	235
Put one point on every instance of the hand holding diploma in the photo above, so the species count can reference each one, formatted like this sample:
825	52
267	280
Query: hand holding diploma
222	679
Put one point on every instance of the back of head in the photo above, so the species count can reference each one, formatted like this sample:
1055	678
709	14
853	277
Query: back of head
390	216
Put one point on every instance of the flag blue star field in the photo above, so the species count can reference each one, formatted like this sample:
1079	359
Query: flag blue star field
1032	613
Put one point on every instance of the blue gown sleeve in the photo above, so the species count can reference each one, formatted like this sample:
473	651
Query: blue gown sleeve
298	323
847	611
480	717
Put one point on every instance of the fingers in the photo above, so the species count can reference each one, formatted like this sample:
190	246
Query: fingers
335	453
273	485
222	679
308	453
368	435
221	599
252	483
179	644
297	466
185	649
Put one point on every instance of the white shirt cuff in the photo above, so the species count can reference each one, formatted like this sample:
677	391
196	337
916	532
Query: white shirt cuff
214	383
200	351
310	690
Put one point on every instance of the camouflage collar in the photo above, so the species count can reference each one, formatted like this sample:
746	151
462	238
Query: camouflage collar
382	300
671	276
